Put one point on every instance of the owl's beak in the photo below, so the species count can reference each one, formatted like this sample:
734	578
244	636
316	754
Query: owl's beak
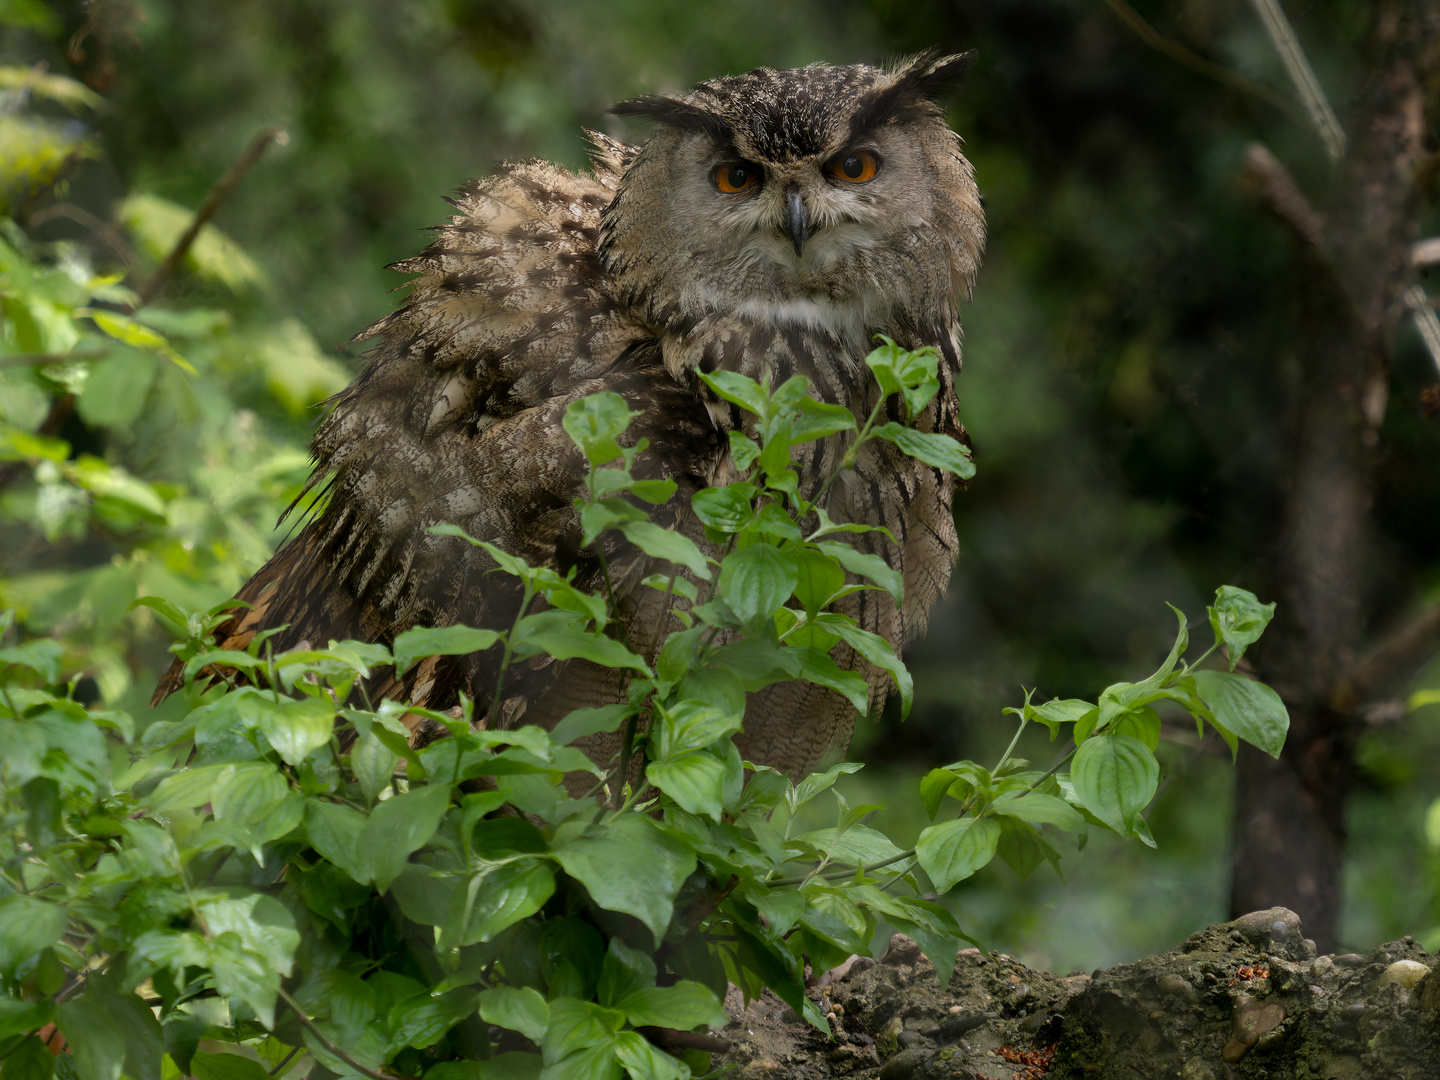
797	222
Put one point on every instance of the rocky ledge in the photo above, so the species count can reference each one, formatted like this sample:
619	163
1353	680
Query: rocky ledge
1249	998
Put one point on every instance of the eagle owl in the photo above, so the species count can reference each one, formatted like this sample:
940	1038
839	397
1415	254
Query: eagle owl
773	224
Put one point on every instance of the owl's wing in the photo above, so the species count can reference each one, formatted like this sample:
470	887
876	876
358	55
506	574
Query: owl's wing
457	418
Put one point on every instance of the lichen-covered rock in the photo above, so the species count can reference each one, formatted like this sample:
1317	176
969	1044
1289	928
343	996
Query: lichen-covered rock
1245	999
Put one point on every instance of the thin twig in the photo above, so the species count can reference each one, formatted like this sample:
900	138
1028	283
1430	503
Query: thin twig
285	1060
1297	65
310	1026
1201	66
99	226
218	194
1281	195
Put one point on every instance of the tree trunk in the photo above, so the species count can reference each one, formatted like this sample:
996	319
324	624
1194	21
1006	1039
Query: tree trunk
1352	266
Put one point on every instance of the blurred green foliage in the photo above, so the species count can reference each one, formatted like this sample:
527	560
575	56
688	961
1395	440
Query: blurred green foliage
1126	349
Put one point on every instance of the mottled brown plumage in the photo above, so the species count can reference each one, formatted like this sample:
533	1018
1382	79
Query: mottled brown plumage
546	286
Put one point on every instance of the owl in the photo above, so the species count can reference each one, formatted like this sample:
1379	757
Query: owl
773	224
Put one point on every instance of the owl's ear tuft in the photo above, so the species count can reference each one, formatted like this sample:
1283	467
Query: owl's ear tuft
677	113
938	75
917	83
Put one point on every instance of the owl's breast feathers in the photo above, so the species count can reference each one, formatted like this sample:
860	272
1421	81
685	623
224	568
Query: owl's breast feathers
457	418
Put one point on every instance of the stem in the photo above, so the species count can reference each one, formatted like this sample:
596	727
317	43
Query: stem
627	748
837	874
848	461
505	658
1006	756
284	1061
310	1026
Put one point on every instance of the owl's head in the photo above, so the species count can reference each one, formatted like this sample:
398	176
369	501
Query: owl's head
829	197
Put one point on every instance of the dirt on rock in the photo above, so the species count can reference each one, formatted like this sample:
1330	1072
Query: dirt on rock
1248	998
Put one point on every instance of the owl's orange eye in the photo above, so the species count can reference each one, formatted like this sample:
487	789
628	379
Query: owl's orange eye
735	176
853	166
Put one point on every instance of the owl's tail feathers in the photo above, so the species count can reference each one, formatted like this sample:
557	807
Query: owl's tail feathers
294	588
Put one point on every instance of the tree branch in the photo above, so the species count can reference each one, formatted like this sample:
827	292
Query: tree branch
1390	660
1278	192
218	194
1195	62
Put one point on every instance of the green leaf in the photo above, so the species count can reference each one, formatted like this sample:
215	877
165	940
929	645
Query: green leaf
244	973
596	1062
41	656
28	925
644	1061
207	1066
583	722
125	329
602	514
293	728
743	449
756	581
1054	713
667	544
262	923
738	390
373	764
18	1016
555	632
1238	619
696	781
1248	709
817	667
868	566
398	827
511	893
423	1020
624	972
1115	777
859	845
934	786
818	577
575	1025
516	1008
30	1060
815	783
940	451
439	641
818	419
594	422
630	865
335	831
682	1006
96	1038
877	650
692	725
727	509
953	850
248	792
1022	848
910	373
1042	809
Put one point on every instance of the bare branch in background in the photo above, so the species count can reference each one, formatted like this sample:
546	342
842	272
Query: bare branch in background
218	194
1200	65
1281	195
100	227
1322	116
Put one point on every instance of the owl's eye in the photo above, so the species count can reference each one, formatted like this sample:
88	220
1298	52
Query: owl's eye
853	166
734	176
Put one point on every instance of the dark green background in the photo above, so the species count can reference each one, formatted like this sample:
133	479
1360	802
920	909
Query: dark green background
1128	346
